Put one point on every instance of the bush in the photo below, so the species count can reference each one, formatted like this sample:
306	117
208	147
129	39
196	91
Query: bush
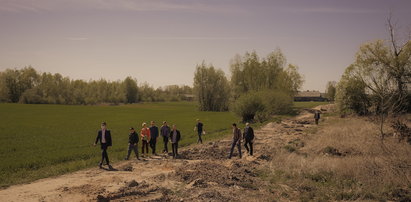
248	105
31	96
261	105
276	102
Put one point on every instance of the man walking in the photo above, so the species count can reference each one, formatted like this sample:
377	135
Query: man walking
132	143
153	135
236	140
145	137
248	138
104	136
165	133
199	129
175	137
317	116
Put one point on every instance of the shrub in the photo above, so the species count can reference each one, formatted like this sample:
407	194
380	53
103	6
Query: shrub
261	105
248	105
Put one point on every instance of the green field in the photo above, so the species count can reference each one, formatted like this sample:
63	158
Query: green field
38	141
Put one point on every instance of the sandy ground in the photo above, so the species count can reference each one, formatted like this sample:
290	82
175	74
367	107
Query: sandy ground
202	173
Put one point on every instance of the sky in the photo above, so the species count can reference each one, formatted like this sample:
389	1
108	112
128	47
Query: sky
162	41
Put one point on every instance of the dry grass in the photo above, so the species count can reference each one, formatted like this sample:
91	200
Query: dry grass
344	160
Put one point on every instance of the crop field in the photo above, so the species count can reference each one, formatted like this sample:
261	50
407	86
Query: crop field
38	141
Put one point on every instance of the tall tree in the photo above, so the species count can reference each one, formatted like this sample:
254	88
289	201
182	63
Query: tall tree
330	90
211	88
131	89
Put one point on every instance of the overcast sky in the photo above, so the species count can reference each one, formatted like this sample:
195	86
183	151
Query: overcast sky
162	41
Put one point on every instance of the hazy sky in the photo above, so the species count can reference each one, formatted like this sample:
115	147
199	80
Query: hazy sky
161	41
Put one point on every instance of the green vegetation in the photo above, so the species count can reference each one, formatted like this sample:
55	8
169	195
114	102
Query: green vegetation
38	141
31	87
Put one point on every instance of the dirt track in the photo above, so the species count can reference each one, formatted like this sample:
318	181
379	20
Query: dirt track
203	173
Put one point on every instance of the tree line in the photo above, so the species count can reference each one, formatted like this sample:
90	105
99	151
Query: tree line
257	89
31	87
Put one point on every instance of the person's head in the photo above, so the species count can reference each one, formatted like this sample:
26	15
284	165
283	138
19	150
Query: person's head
164	123
174	127
144	125
198	120
152	123
247	124
234	125
103	125
132	130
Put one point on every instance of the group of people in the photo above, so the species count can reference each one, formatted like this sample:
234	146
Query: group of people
148	137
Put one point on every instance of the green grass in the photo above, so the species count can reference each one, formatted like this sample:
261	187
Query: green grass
38	141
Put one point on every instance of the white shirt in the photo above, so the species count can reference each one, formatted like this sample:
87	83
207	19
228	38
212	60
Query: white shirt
103	136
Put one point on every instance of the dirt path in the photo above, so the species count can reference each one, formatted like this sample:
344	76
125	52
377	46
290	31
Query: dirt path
202	174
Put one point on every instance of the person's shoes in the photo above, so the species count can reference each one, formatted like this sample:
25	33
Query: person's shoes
138	158
100	165
110	167
126	158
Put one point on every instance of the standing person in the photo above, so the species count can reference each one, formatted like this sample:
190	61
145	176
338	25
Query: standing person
236	140
145	137
165	133
104	136
175	137
132	143
199	128
154	136
248	138
317	116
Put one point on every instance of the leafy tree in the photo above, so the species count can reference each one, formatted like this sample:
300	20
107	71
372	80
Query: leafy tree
250	73
131	89
330	90
211	88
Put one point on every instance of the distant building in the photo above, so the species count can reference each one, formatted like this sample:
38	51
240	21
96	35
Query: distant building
188	97
306	96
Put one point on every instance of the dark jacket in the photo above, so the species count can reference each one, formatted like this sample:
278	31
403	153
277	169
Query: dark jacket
172	134
237	135
133	138
153	132
199	127
317	115
165	131
248	133
108	137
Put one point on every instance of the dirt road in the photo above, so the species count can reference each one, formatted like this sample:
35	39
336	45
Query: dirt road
203	173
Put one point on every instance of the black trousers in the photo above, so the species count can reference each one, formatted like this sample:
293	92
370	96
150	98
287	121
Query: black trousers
104	155
153	143
199	138
144	146
249	143
232	149
175	149
316	121
132	147
165	139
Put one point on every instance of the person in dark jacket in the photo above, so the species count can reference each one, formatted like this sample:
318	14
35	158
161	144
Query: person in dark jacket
199	128
165	133
175	137
132	143
317	116
104	136
236	140
153	137
248	138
